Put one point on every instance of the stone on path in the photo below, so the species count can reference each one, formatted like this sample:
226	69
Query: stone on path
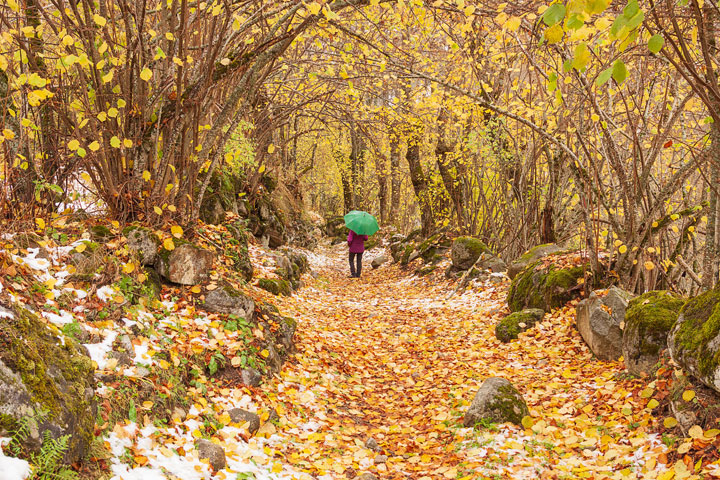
238	415
185	264
213	452
496	401
600	322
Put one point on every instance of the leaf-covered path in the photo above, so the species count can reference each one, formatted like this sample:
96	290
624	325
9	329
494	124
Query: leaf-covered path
388	357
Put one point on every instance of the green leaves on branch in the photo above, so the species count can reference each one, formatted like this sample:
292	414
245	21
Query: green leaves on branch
617	72
656	42
554	14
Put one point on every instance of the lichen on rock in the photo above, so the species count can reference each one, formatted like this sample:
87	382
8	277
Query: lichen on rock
43	370
497	401
545	286
694	342
648	321
466	250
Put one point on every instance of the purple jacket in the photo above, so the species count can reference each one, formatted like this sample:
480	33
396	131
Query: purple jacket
356	242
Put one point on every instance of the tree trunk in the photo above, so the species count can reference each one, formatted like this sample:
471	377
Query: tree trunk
395	178
381	172
418	179
444	156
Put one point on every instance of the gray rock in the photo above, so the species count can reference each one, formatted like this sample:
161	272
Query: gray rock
251	377
274	361
531	256
371	444
497	277
498	401
186	264
125	342
488	261
694	341
648	321
225	299
123	359
212	452
381	459
367	476
238	415
465	251
40	373
600	320
378	261
143	242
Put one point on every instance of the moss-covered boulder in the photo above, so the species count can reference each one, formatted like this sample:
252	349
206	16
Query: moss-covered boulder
466	250
599	320
510	327
88	258
186	264
545	286
276	286
648	321
531	256
100	233
143	243
226	299
694	342
43	370
497	401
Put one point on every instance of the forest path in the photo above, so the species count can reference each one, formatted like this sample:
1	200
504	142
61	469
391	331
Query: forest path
388	357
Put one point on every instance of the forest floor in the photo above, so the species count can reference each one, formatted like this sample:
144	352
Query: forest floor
390	357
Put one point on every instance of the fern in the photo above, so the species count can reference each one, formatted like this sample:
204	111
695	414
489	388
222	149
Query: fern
47	463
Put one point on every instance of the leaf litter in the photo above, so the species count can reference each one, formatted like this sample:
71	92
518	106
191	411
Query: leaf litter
389	358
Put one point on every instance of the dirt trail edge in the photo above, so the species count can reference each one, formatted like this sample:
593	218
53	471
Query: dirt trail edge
389	358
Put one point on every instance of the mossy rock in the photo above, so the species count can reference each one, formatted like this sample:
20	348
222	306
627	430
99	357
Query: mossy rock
510	327
497	401
276	286
88	258
466	250
545	288
143	242
648	321
40	372
426	270
335	227
694	342
405	258
100	233
531	256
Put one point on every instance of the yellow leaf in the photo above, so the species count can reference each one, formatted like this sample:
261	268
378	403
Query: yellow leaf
168	244
40	223
176	231
196	289
649	265
669	422
271	148
73	145
146	74
129	267
277	467
128	143
118	299
513	23
81	248
157	210
622	249
527	421
695	431
554	34
94	146
146	176
99	20
652	404
236	362
712	433
314	8
688	395
265	353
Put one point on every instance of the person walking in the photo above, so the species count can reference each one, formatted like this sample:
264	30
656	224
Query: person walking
356	244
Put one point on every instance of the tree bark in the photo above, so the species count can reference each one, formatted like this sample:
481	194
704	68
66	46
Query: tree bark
418	179
395	178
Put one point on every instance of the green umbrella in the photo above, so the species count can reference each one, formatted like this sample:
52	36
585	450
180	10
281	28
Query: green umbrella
361	223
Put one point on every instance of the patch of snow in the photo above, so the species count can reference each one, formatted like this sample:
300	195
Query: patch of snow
59	319
13	468
105	293
99	350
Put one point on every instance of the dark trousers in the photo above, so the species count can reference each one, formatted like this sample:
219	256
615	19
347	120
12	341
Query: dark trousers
355	258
